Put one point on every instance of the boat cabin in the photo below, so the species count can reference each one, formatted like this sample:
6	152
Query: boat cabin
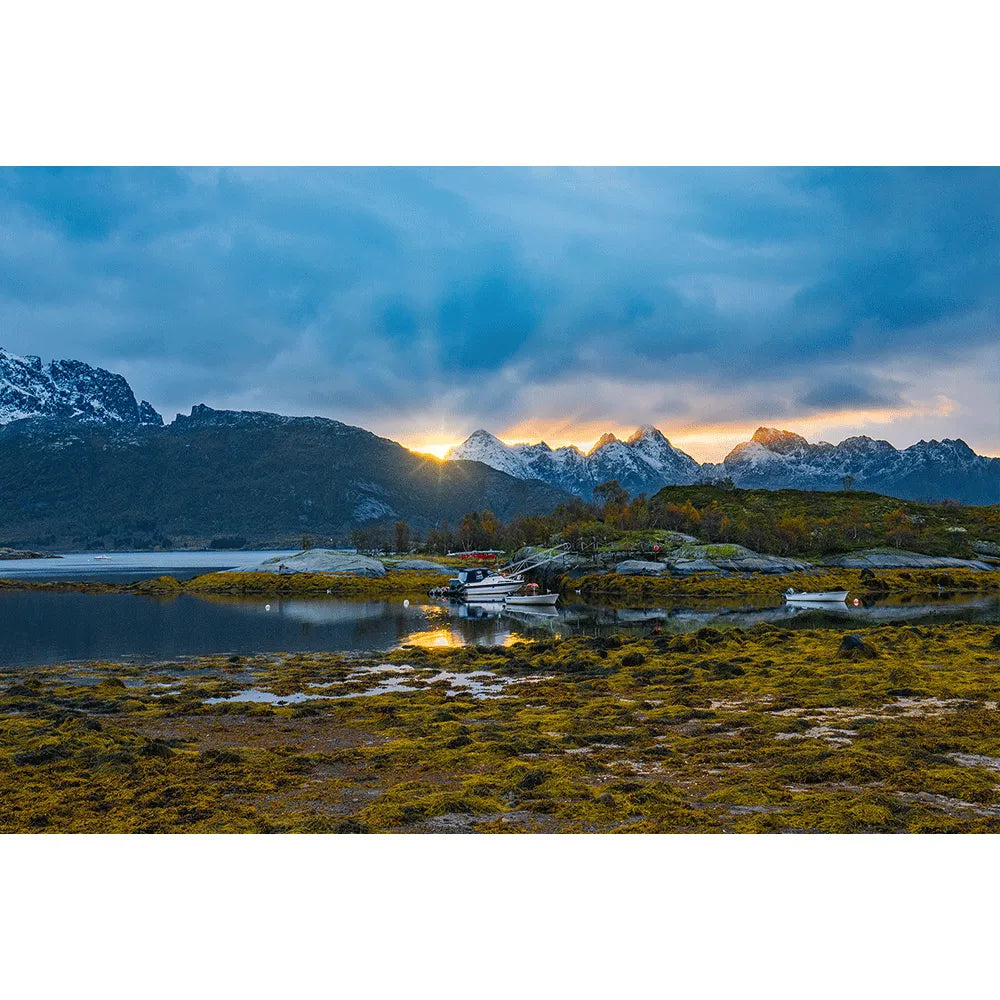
467	576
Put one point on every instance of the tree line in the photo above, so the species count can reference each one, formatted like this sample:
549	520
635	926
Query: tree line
781	528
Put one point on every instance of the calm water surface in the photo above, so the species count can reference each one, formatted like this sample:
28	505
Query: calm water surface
38	628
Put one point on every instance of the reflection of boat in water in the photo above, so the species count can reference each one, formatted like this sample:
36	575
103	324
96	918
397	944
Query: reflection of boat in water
793	596
479	609
536	611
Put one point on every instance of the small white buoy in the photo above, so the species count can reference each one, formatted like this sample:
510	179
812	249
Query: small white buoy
267	607
406	603
856	602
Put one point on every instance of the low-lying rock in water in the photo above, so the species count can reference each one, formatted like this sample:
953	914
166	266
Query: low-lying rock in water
6	553
423	565
901	559
853	647
318	561
985	548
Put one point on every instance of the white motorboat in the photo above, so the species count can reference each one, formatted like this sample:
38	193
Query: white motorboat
483	584
480	583
794	596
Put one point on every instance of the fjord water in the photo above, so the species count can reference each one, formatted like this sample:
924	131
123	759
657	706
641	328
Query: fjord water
39	628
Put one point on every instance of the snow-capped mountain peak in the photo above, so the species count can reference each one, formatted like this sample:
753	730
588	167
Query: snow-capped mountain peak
602	442
70	390
481	446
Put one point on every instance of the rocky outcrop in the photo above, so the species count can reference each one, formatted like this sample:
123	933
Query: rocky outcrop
641	567
421	565
318	561
900	559
688	559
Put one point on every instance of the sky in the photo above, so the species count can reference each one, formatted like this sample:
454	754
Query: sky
540	304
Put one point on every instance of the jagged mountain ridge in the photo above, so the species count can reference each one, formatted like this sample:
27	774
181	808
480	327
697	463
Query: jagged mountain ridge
69	390
771	459
642	464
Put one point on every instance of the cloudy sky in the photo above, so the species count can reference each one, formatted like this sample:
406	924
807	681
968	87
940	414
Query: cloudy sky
537	303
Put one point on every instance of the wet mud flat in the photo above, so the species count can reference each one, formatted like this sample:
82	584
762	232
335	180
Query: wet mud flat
766	729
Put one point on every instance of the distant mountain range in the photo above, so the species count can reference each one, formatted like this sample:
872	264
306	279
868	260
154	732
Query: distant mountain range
771	459
84	465
642	464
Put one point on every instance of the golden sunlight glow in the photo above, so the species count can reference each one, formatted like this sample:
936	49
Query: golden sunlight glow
437	450
712	442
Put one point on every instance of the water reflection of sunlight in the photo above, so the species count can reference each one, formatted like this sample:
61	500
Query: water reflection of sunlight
438	638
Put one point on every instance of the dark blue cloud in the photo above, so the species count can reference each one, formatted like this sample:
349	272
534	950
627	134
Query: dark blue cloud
357	292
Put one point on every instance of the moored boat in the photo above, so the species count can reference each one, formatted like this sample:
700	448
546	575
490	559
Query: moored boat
819	596
530	597
479	584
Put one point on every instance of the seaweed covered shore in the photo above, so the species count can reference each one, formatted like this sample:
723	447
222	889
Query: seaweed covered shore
858	582
395	584
893	729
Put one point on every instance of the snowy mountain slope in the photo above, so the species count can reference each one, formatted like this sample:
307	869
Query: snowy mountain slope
69	390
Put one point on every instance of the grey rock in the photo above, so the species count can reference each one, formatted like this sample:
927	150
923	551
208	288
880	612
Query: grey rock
640	567
900	559
318	561
686	567
424	565
986	548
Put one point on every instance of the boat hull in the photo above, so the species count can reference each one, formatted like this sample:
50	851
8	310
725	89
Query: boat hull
825	597
489	589
532	600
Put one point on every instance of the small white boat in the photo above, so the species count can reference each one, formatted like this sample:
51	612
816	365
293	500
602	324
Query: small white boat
103	557
820	596
531	599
